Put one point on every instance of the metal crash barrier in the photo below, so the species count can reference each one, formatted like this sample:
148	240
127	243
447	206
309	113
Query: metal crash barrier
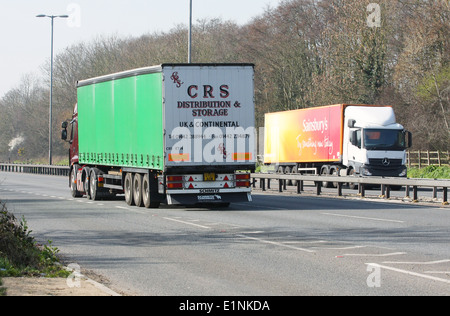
35	169
363	182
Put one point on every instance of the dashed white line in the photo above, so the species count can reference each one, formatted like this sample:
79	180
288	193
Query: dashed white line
424	276
368	218
305	242
124	208
418	263
187	223
374	255
275	243
341	248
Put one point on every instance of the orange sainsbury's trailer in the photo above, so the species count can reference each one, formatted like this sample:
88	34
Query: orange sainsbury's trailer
306	135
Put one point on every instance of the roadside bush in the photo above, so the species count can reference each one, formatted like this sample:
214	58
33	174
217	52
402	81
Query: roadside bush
2	290
20	254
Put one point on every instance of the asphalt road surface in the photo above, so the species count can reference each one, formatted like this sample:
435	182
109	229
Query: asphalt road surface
281	245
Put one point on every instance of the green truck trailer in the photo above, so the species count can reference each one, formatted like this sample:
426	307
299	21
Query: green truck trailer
173	133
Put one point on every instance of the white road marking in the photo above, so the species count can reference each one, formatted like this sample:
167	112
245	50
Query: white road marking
342	248
424	276
373	255
305	242
275	243
123	208
187	223
368	218
418	263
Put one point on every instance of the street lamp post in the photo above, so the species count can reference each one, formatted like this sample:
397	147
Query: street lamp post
190	33
50	136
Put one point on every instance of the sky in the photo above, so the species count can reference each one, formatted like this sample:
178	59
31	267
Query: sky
25	39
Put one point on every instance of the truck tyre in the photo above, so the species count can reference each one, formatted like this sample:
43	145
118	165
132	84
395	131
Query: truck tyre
325	172
294	171
137	189
352	186
128	189
146	193
334	171
93	189
288	170
86	183
73	182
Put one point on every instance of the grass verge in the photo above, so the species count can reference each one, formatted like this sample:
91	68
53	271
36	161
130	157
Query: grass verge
431	172
21	255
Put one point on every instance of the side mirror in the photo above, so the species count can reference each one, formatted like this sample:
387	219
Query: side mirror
64	134
410	140
351	123
64	131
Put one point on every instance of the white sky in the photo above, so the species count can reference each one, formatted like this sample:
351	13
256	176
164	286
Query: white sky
25	39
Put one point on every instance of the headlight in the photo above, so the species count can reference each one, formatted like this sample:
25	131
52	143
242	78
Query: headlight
366	172
404	173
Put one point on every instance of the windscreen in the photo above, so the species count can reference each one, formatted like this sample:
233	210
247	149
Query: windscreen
382	139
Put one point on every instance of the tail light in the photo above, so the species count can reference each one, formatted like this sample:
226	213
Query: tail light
174	182
174	179
242	184
174	186
243	180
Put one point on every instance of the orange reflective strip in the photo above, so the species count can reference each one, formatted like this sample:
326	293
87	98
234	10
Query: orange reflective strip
178	157
242	156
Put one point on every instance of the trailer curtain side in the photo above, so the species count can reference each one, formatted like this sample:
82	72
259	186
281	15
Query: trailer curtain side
121	122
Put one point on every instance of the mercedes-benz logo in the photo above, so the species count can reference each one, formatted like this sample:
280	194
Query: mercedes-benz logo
386	162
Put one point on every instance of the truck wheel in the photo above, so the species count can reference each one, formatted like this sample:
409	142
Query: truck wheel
325	172
128	188
294	171
352	186
280	170
137	189
334	172
93	191
86	182
146	193
73	182
288	170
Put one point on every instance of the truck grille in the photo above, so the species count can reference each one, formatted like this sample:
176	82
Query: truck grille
385	163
